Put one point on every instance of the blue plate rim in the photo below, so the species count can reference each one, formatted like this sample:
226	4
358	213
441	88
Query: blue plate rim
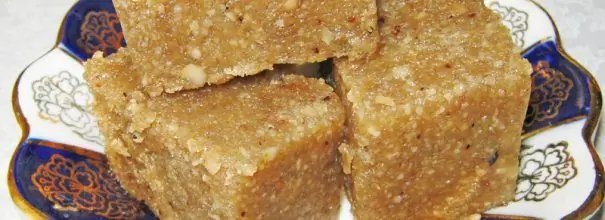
589	207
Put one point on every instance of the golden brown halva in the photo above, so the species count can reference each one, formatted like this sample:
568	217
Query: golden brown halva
434	119
261	147
186	44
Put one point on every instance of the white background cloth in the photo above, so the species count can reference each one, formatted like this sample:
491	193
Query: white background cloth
28	29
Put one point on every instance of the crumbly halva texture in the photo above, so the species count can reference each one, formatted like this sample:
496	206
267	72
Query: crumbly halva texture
261	147
186	44
434	119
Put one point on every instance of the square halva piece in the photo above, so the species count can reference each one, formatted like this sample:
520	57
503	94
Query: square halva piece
261	147
186	44
435	117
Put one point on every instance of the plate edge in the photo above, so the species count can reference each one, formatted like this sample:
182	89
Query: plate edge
27	208
591	205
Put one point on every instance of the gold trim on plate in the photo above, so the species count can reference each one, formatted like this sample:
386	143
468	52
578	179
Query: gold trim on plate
587	208
595	199
27	208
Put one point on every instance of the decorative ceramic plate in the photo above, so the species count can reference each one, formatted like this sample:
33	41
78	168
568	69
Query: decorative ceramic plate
59	171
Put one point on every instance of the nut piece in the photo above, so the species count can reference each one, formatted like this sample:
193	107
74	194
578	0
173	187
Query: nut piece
230	16
195	74
326	35
374	131
347	157
385	100
196	53
291	4
212	164
118	146
474	217
401	72
98	54
270	153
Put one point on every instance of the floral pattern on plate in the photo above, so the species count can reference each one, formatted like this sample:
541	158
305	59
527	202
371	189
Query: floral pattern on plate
515	19
542	171
83	186
66	99
49	178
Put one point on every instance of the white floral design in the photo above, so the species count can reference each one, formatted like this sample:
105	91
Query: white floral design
581	30
543	171
515	20
64	98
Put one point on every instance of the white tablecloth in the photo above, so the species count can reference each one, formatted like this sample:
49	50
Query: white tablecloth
29	28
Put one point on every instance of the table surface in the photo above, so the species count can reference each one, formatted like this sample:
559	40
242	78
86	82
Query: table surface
30	27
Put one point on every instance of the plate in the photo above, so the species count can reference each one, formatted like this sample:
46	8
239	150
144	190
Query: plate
59	171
